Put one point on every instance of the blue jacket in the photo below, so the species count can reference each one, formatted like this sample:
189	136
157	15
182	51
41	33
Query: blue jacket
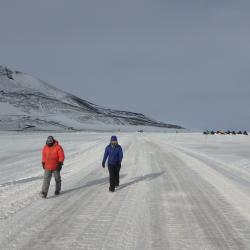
114	155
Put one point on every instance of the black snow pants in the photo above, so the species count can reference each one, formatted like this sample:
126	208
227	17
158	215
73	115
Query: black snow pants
114	176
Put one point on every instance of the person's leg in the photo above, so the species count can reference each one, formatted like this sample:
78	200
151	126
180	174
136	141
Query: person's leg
46	182
58	181
111	178
117	175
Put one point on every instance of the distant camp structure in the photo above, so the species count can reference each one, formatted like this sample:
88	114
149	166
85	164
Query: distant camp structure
222	132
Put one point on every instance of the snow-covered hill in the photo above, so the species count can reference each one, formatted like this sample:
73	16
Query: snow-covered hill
29	103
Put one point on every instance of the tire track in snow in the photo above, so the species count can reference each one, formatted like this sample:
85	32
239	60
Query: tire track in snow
95	217
72	199
17	195
197	216
165	201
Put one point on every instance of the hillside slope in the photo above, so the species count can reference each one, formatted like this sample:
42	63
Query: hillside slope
29	103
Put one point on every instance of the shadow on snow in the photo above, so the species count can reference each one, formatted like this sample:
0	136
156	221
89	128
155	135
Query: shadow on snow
98	182
102	181
21	181
148	177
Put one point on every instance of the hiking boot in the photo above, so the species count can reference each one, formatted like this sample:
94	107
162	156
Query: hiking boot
57	192
111	190
43	195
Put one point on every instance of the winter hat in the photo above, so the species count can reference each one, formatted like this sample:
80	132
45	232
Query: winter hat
113	138
50	140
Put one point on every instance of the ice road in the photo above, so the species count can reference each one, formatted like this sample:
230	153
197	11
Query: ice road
178	191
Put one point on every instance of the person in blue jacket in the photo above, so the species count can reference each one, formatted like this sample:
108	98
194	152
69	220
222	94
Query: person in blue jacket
114	154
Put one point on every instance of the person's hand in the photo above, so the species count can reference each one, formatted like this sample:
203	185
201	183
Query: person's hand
59	166
43	165
103	164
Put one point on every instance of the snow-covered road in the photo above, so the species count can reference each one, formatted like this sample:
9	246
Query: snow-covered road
178	191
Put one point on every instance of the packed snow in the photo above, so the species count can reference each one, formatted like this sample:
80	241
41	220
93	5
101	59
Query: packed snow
178	191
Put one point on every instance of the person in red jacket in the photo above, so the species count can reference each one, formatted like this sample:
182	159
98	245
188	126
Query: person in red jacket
52	162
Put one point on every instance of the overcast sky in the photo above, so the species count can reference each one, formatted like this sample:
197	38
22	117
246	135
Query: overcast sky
178	61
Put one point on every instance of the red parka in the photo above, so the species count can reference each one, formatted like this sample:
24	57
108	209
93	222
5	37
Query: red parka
52	155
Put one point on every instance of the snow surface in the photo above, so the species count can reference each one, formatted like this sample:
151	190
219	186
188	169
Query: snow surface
9	110
178	191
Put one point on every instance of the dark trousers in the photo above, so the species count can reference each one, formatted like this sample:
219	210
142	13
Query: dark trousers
114	176
47	178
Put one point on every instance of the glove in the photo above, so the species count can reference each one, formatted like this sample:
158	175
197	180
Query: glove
103	164
59	166
43	165
119	164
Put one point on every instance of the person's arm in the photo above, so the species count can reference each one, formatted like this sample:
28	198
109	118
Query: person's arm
61	158
106	154
43	158
120	155
61	155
